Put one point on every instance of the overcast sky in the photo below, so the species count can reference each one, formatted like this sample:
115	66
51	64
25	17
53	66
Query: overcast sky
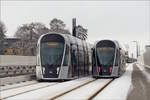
125	21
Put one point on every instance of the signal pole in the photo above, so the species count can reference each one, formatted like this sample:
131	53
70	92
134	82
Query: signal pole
137	54
74	27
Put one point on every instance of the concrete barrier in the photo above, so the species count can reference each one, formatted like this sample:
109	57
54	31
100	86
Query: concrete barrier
17	65
144	59
9	60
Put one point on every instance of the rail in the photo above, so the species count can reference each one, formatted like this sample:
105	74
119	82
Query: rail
56	91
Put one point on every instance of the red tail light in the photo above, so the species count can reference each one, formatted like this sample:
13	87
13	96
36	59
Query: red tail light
110	69
98	69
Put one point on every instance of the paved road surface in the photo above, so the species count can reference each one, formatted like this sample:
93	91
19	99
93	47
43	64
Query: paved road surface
141	85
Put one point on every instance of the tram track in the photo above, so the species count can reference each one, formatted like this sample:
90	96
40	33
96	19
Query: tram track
21	90
51	91
53	98
17	85
101	89
84	88
85	92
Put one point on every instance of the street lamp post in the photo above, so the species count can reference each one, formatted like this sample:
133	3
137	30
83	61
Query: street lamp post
137	51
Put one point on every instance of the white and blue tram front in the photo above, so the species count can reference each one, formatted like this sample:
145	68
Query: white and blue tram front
52	57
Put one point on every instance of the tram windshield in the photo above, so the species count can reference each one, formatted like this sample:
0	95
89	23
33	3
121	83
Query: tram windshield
105	56
52	53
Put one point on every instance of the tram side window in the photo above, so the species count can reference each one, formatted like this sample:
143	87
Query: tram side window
75	60
93	58
85	58
74	57
90	57
117	58
66	56
81	62
81	56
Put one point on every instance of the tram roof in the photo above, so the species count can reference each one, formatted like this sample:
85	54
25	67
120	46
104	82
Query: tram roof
72	38
117	44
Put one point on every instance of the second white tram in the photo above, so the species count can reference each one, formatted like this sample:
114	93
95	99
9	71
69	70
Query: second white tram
108	59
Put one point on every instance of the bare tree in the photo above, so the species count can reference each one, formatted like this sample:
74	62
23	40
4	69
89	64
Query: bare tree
2	30
29	34
2	35
57	25
31	31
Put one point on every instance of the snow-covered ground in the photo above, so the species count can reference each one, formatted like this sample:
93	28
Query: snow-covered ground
147	75
116	90
119	88
10	86
24	89
85	92
51	91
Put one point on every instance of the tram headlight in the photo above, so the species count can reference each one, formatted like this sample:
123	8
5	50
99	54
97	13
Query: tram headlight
44	70
57	70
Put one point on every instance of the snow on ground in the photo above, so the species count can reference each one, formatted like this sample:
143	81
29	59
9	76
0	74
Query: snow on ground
16	85
119	88
86	91
147	75
51	91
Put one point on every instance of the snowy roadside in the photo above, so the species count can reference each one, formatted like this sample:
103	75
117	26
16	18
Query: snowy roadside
147	75
119	88
140	83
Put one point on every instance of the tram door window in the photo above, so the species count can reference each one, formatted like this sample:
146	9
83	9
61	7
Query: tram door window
117	61
78	57
93	61
89	59
117	58
84	61
74	60
79	65
66	58
81	60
